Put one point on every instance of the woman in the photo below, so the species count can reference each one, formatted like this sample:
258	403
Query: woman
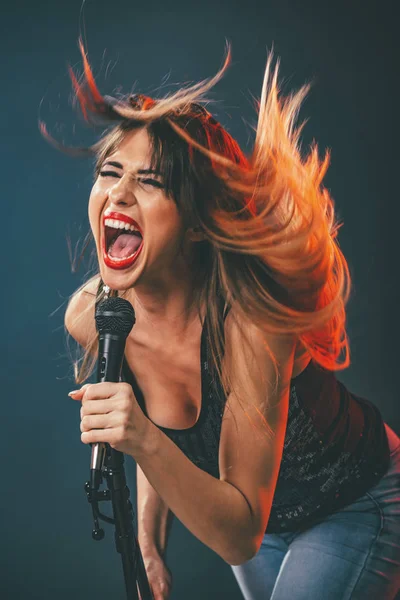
228	402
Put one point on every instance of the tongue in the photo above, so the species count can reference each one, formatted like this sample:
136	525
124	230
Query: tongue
124	245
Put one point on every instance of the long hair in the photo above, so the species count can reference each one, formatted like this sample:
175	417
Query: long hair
270	231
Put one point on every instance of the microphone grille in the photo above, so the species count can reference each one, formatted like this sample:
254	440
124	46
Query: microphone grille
115	315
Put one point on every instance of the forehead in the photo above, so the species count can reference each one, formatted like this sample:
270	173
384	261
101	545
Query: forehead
134	150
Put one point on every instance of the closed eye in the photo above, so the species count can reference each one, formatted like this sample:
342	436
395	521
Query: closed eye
108	174
146	181
153	182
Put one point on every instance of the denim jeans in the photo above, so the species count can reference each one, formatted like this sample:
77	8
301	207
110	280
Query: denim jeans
353	554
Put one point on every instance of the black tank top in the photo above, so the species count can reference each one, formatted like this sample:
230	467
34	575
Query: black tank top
335	446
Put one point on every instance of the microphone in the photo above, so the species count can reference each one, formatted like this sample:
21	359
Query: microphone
115	318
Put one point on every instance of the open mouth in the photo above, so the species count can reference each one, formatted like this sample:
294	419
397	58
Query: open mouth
122	243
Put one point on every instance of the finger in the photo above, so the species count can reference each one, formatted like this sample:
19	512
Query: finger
97	407
107	436
96	422
97	391
78	394
159	595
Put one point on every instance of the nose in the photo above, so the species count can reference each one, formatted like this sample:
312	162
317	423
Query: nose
122	192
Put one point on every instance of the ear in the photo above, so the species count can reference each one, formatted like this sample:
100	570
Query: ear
195	234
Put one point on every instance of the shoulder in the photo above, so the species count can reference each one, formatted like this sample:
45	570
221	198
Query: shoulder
240	327
259	351
79	315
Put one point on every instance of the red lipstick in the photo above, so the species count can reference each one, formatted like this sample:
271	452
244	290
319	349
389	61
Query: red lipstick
108	260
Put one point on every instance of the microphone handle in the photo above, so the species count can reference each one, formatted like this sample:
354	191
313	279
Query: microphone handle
109	366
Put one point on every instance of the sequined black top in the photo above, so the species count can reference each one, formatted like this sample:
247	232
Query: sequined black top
335	445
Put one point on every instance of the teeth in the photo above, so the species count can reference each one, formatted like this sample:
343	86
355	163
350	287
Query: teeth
115	259
119	225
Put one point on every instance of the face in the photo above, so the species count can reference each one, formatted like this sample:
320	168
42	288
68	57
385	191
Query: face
126	188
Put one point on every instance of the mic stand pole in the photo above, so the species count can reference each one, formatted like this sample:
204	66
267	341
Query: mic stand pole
125	540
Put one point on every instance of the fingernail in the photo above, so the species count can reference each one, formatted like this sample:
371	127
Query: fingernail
73	392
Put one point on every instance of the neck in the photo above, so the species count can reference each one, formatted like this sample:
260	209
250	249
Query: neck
166	303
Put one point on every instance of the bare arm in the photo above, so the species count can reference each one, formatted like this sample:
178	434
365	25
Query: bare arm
154	518
230	515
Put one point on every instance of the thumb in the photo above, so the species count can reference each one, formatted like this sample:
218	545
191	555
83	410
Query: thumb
78	394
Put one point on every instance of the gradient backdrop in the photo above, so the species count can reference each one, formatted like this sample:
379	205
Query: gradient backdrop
349	49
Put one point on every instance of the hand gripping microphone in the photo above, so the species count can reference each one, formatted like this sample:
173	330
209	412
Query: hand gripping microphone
115	318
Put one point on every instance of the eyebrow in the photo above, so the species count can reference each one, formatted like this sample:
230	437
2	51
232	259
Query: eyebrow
118	165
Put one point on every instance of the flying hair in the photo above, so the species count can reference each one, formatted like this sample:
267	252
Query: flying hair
271	249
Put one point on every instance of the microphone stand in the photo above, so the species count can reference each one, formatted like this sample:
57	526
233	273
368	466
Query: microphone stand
115	318
125	540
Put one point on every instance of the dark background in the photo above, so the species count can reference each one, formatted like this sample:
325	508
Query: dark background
349	49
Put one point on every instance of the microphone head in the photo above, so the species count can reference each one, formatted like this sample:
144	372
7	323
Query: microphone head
115	315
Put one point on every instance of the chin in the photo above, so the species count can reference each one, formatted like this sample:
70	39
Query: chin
120	280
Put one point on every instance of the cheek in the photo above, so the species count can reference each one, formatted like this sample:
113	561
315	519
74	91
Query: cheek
168	225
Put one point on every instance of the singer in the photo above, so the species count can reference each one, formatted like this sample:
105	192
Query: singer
229	402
